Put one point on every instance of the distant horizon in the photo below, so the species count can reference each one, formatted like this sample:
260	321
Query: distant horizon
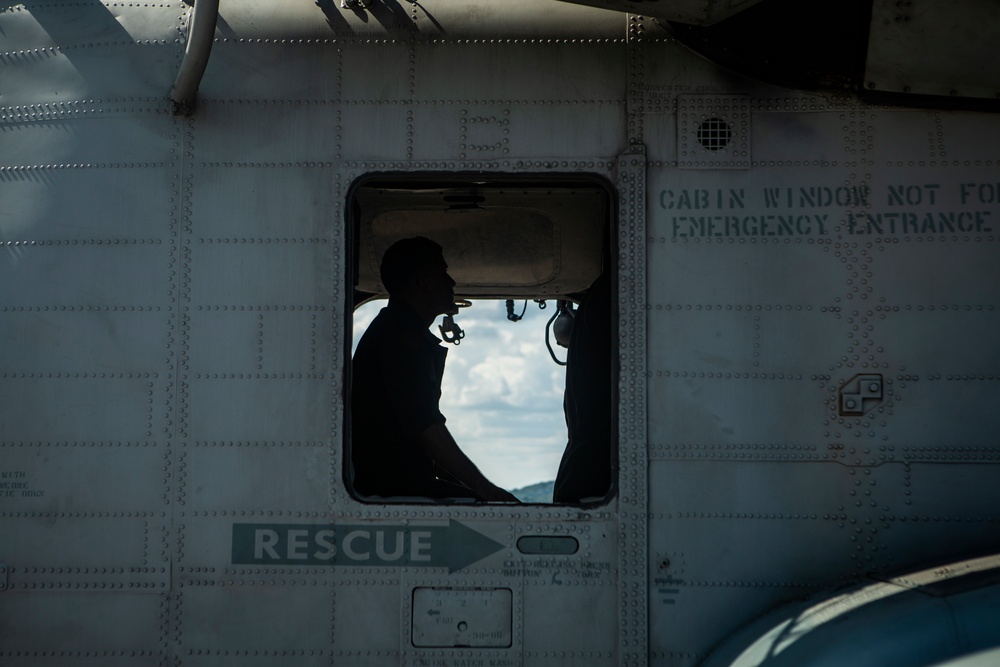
535	493
550	482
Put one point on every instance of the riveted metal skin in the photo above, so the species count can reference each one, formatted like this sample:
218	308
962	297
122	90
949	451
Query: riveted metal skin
174	338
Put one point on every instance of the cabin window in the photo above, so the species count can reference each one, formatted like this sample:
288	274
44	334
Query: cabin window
531	264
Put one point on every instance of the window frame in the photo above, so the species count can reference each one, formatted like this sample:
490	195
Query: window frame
353	299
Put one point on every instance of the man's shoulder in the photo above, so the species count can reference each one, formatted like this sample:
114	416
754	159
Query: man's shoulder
392	328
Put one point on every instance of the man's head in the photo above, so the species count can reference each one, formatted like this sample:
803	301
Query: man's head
414	271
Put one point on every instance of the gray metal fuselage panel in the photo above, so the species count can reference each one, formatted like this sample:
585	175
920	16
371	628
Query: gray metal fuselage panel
174	336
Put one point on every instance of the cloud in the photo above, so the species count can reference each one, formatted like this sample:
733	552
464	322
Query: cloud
502	394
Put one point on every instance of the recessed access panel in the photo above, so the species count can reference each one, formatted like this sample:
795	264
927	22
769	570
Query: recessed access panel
465	617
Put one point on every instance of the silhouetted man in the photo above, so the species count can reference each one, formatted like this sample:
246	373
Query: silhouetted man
400	444
588	465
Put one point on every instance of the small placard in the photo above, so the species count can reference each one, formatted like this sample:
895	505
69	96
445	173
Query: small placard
462	617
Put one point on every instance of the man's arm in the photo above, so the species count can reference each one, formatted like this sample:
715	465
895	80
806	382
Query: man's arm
437	442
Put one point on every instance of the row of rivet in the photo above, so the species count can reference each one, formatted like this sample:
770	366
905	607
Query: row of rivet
278	443
567	578
80	444
261	241
543	515
79	654
668	103
633	493
337	492
667	455
13	119
946	449
49	50
82	515
77	376
941	163
596	655
448	165
59	107
93	586
255	309
673	164
710	375
804	585
760	307
260	376
84	242
84	165
734	447
524	41
287	571
268	165
280	653
89	570
409	101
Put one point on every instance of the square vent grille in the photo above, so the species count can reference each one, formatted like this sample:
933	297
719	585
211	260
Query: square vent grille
713	132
